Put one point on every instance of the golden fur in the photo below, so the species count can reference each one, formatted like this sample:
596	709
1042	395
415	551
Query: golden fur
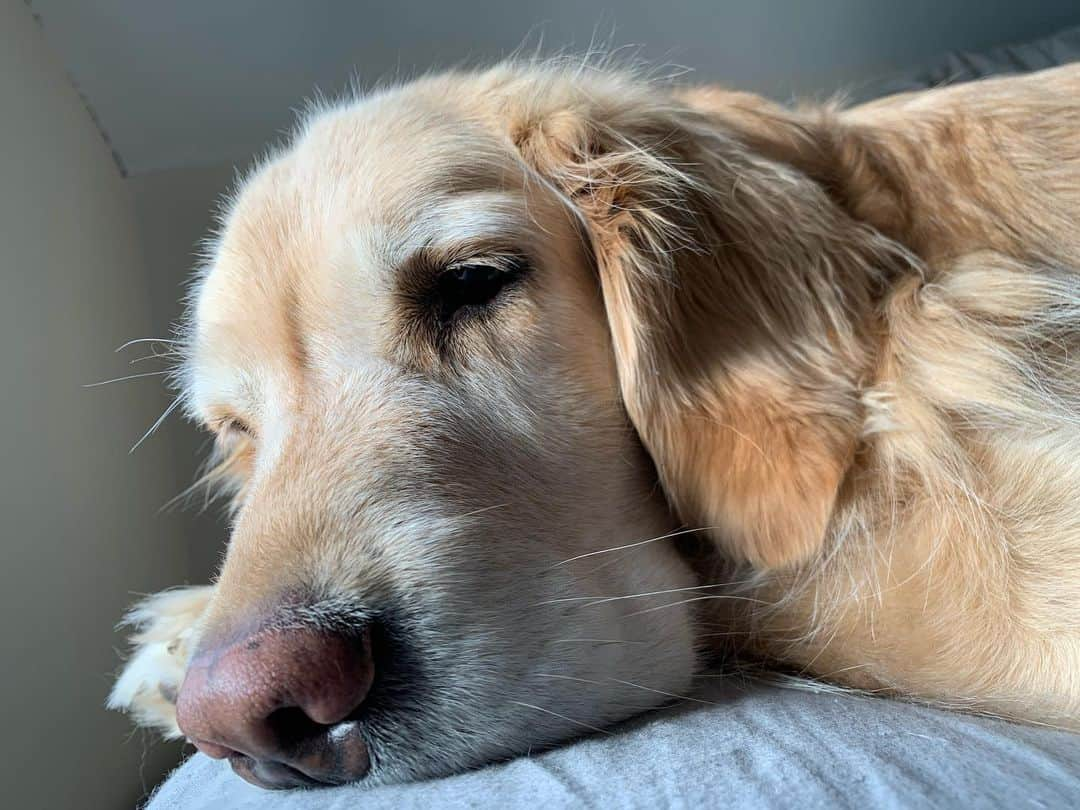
847	340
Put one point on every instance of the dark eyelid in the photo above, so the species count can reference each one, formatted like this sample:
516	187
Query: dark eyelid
241	426
422	281
225	424
421	271
505	271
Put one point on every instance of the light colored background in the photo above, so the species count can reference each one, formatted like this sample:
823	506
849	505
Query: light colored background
121	122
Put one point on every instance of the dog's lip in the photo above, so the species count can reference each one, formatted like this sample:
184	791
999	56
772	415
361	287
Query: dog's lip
337	757
272	775
341	755
212	750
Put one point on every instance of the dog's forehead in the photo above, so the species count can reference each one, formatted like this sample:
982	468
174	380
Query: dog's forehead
381	166
312	239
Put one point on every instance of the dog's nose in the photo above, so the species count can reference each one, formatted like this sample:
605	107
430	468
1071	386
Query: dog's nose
278	703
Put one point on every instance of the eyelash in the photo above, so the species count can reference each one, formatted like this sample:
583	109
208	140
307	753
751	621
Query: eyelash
230	427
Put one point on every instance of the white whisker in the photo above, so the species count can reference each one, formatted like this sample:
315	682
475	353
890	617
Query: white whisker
627	683
562	716
165	415
568	678
635	545
599	600
144	340
667	694
154	356
600	641
732	597
604	599
484	509
126	377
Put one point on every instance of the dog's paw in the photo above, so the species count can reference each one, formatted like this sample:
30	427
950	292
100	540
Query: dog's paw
165	633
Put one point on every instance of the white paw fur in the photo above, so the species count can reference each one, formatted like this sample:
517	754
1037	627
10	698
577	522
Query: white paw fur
165	625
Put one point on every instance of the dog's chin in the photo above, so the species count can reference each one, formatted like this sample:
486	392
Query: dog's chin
444	752
423	722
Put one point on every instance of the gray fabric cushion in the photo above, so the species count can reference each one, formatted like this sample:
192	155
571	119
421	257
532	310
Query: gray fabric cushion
963	66
754	746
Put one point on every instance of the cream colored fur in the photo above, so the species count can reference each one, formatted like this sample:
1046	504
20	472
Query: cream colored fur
847	341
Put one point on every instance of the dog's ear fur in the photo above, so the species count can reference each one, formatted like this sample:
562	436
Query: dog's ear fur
739	296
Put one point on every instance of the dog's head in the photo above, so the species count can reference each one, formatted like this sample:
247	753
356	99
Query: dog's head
472	349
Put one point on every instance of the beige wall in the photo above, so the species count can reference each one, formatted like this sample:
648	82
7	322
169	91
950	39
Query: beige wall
80	529
174	211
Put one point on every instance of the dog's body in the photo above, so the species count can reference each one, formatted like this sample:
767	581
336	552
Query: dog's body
951	568
848	342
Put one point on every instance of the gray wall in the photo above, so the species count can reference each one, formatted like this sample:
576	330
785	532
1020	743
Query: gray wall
80	530
174	214
205	82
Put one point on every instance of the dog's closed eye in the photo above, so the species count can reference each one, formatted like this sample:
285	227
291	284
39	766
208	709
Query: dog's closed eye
231	428
472	285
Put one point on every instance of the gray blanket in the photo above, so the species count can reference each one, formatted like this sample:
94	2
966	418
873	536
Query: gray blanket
754	746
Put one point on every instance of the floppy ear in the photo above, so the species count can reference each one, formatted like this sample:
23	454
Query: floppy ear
738	296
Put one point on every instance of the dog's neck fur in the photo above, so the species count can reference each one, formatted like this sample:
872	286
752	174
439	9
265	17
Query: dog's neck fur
931	577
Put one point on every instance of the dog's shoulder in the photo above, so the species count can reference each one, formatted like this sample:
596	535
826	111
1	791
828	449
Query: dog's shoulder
988	164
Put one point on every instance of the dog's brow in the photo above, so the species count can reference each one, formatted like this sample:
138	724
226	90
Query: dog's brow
459	228
473	216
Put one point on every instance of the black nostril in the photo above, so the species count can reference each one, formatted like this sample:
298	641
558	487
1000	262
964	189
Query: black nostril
307	754
291	727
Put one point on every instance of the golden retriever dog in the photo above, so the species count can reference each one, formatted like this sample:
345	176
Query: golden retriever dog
480	350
